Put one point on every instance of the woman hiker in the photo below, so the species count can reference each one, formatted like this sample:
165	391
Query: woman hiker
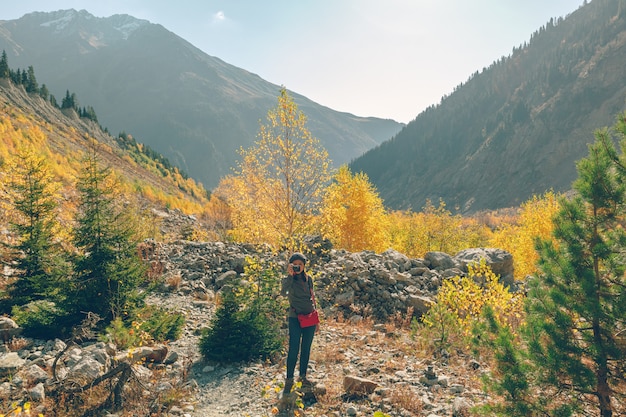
298	287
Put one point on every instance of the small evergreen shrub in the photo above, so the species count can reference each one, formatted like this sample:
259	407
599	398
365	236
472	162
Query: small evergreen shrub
161	324
121	335
246	325
239	335
150	324
40	319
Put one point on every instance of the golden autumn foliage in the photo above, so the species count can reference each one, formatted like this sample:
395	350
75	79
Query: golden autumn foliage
434	229
518	238
278	187
277	194
218	217
461	301
353	216
28	172
63	148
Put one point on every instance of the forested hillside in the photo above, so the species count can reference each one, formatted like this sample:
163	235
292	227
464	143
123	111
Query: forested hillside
516	128
63	137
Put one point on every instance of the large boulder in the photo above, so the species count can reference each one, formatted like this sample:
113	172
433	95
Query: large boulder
8	329
359	386
10	363
440	261
499	260
421	304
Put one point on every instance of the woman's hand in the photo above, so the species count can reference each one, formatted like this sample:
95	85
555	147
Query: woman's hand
295	268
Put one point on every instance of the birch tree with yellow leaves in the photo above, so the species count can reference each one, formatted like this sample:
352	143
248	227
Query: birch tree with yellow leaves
277	189
353	216
535	221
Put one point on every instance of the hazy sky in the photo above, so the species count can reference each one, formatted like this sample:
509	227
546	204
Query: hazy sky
383	58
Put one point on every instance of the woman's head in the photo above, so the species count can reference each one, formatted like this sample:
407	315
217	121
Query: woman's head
298	262
297	256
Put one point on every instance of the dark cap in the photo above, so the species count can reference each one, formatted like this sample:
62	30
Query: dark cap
297	257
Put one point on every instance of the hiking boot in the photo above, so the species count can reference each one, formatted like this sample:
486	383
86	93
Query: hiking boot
306	383
288	385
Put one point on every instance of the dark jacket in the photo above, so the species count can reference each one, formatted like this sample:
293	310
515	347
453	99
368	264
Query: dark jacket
298	291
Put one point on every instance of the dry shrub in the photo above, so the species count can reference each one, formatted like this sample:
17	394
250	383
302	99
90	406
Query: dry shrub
329	354
402	321
17	343
155	270
146	250
75	404
135	397
398	363
339	318
332	398
403	397
178	394
367	323
173	281
390	327
364	311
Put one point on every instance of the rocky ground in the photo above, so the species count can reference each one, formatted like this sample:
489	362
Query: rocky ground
406	379
364	358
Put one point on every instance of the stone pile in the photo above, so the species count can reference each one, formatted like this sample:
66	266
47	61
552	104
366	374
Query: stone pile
346	283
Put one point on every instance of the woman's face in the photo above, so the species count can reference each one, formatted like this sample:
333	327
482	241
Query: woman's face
299	263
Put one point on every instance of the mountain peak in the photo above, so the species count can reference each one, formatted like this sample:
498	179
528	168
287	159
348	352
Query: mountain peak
71	21
60	20
126	24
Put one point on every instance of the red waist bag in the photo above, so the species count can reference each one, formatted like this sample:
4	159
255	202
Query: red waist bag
313	318
308	320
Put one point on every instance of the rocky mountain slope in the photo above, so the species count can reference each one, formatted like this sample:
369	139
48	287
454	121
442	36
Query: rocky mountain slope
142	79
516	128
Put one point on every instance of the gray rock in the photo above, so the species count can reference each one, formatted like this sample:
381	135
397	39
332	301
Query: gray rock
5	389
500	261
440	260
345	299
37	393
226	278
34	373
7	324
10	363
456	388
171	357
8	329
460	407
87	369
421	304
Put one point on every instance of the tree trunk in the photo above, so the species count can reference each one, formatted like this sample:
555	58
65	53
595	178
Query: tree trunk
604	393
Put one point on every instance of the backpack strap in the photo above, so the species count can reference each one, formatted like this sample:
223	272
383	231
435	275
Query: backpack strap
311	291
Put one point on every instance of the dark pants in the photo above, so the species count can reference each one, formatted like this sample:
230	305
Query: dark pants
300	339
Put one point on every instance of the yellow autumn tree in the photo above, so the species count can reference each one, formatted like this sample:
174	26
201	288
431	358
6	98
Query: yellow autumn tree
535	221
353	216
435	228
278	186
217	215
462	300
403	235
